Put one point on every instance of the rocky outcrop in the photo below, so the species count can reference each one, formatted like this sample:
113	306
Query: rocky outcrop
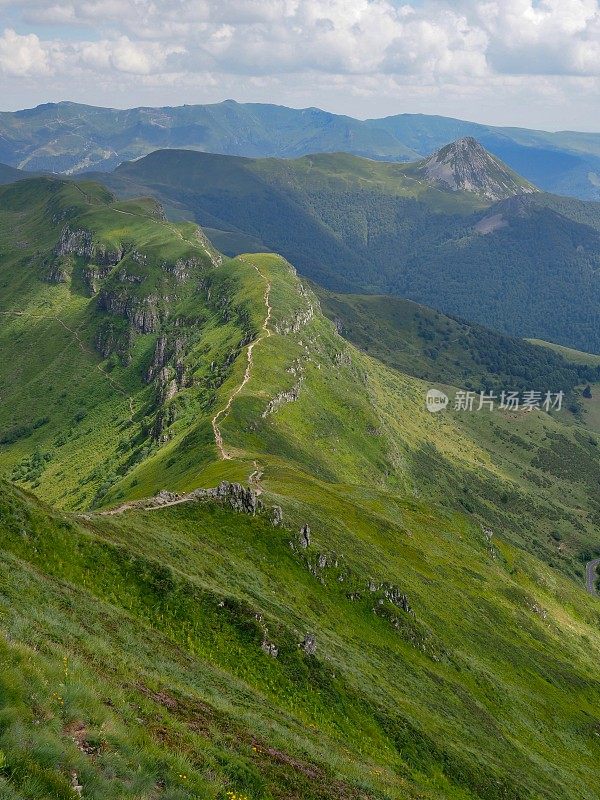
309	645
164	418
298	321
282	398
182	269
114	336
269	648
79	242
56	273
304	537
75	242
93	275
233	495
300	317
141	313
239	498
166	386
167	350
276	516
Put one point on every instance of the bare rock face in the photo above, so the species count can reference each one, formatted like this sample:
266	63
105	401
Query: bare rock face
282	398
234	495
269	648
56	273
276	516
395	596
75	242
142	314
466	166
304	537
309	645
79	243
94	274
167	349
182	269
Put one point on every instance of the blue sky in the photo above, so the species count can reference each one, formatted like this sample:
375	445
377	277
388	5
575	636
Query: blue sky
532	63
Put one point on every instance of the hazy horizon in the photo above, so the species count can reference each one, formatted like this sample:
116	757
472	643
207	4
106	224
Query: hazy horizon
519	63
296	108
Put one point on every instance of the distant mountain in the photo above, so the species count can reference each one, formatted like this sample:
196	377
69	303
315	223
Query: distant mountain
466	166
72	138
527	265
566	162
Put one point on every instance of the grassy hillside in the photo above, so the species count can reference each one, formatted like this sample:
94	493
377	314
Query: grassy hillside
116	314
146	673
390	607
525	266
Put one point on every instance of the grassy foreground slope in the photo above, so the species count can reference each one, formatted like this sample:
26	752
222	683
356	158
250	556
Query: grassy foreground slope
159	654
425	640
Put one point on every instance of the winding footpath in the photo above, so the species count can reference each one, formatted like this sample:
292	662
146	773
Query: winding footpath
590	575
221	415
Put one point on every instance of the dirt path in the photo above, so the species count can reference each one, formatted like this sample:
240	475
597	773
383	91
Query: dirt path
147	504
590	575
221	415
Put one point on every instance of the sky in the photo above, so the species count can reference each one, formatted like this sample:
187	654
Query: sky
531	63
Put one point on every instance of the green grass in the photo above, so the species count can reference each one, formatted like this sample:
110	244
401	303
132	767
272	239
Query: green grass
131	646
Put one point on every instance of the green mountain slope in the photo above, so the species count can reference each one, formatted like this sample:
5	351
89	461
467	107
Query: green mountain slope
422	342
146	673
71	138
526	266
391	605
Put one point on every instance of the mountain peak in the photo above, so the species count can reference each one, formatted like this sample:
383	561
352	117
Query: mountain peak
465	165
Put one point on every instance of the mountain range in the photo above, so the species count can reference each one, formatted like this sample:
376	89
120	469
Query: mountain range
459	231
72	138
241	559
299	458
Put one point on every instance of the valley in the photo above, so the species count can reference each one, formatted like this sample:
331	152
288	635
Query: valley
486	247
299	400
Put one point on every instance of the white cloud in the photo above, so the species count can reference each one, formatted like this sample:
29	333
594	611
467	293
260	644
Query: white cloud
123	55
363	48
23	56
